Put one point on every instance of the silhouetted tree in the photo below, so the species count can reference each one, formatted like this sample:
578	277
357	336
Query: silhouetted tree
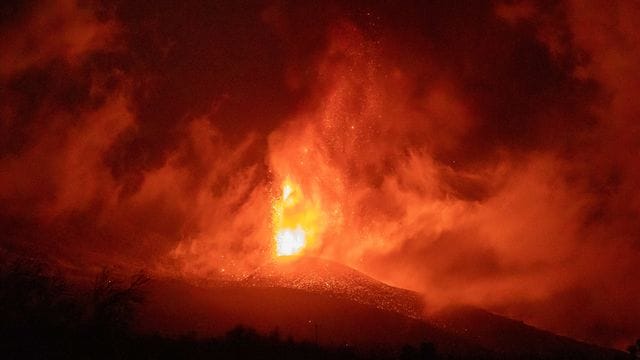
274	335
634	350
408	353
26	289
426	351
113	302
37	311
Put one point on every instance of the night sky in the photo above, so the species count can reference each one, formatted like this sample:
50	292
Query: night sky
478	152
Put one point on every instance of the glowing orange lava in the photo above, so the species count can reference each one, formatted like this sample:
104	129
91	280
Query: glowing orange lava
294	220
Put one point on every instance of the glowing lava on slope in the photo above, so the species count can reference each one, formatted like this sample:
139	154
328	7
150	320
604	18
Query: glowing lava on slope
294	220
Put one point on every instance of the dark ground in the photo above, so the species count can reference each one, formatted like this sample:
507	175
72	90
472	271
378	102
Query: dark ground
43	317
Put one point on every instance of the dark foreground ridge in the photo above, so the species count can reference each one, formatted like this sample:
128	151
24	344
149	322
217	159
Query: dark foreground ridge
333	305
43	317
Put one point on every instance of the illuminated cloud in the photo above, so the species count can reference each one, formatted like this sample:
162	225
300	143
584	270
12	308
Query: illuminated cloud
480	152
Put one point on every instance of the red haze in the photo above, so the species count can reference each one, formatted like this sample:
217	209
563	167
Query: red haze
481	152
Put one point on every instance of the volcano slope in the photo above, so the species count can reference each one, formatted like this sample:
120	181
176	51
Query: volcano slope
310	299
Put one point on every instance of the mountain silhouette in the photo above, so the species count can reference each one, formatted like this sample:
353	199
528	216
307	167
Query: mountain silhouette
315	300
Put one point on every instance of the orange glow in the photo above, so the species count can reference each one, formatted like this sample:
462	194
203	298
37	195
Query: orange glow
295	220
491	171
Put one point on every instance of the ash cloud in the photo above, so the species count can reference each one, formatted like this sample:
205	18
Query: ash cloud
480	152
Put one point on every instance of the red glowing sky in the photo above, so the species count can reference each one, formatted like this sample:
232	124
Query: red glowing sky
479	152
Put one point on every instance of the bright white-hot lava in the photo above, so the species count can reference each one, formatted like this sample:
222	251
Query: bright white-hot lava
290	241
294	220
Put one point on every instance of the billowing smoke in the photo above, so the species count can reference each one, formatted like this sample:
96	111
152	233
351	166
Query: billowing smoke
483	153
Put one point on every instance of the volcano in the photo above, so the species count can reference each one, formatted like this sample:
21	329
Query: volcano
315	300
332	279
